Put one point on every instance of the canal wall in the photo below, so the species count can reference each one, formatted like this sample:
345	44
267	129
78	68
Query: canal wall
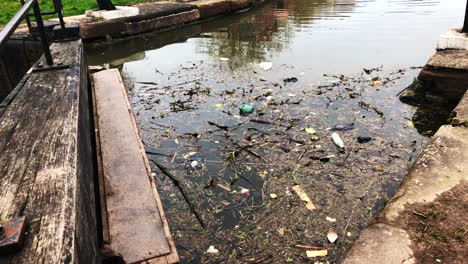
435	187
46	166
159	16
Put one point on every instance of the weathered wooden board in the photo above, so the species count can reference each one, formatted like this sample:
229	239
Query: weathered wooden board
138	229
46	168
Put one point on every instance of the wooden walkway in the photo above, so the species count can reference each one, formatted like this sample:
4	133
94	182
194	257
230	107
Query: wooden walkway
134	222
80	191
45	169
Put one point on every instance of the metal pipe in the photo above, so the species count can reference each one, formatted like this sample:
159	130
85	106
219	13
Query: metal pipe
40	26
465	23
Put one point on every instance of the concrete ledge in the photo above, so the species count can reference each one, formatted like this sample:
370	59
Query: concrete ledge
460	113
450	59
157	23
381	244
113	27
151	16
154	16
441	167
213	8
122	11
453	39
448	83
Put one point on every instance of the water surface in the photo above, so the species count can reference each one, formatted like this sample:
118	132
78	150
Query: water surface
238	172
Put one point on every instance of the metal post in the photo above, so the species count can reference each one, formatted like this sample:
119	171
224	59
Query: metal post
28	21
59	9
40	27
465	24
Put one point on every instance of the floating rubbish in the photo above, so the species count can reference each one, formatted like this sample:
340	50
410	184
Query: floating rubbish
309	247
212	250
190	154
245	191
246	109
265	65
194	164
268	92
337	140
377	83
378	168
281	231
304	197
343	127
291	79
332	236
273	196
224	59
316	253
330	219
326	158
310	130
364	139
410	123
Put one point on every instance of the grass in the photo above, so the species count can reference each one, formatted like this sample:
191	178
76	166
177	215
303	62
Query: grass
70	7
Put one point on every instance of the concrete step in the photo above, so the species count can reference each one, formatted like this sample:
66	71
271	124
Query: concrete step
441	167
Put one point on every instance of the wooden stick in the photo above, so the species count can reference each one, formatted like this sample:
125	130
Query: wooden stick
309	247
177	183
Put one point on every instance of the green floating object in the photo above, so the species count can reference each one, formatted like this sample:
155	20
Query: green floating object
246	109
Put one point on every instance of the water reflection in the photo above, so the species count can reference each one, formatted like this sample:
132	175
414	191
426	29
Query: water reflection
338	36
267	31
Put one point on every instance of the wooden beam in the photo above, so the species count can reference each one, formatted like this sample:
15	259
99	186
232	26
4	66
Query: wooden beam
137	225
46	168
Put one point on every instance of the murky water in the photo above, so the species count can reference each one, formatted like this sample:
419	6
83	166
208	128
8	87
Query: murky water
238	172
323	36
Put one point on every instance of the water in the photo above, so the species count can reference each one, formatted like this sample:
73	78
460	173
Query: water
185	87
323	36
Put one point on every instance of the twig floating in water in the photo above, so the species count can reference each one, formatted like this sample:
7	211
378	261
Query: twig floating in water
309	247
267	122
158	154
177	183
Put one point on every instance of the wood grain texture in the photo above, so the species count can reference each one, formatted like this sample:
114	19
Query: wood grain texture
137	226
46	168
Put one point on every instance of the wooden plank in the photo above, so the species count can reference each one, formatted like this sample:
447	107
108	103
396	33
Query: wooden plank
100	175
173	257
136	228
45	169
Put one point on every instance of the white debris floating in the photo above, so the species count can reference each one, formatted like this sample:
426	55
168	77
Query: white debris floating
265	65
332	236
337	140
212	250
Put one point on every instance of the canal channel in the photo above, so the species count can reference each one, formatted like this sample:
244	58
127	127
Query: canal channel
229	181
